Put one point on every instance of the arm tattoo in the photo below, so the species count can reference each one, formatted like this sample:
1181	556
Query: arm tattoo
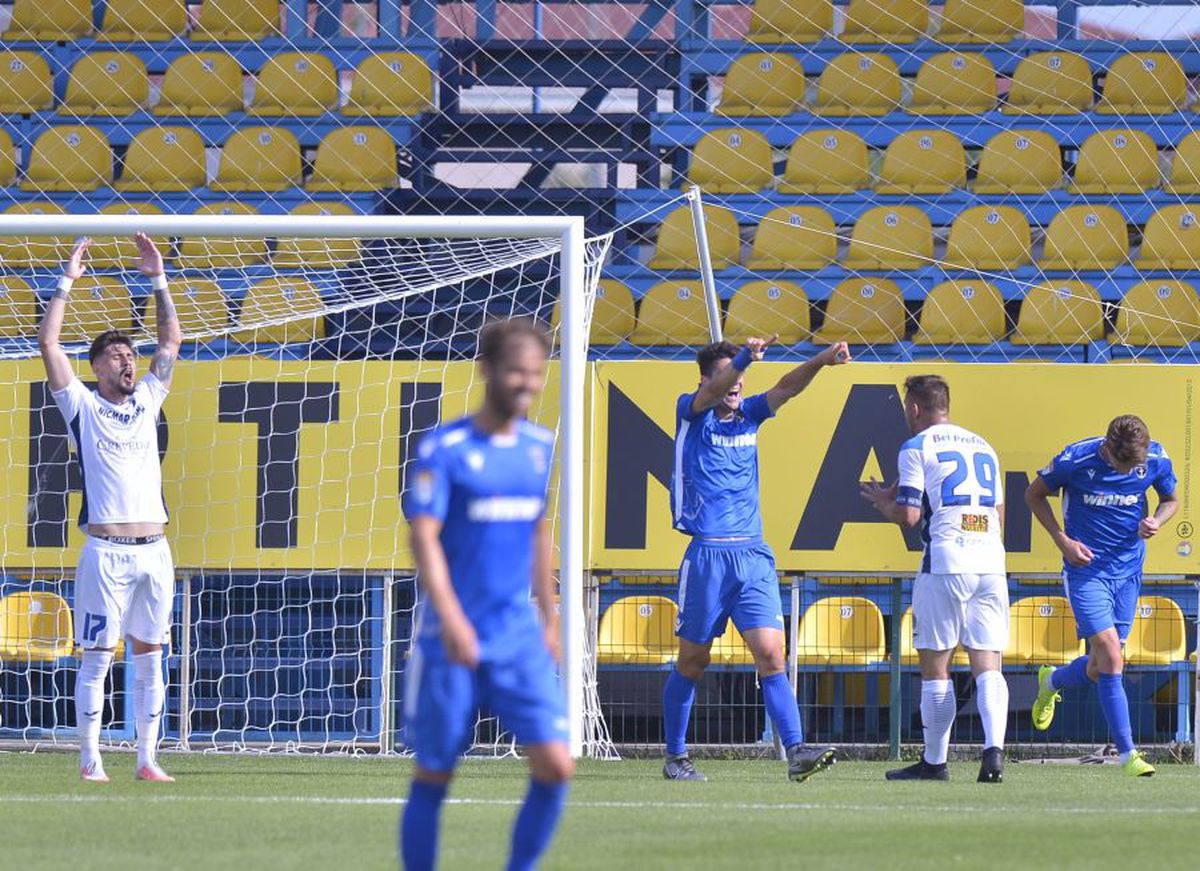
165	309
162	365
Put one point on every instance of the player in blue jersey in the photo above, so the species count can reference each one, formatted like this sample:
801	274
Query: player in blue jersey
1106	521
476	506
728	570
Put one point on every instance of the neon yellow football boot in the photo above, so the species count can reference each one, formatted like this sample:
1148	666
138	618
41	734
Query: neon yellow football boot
1043	705
1137	766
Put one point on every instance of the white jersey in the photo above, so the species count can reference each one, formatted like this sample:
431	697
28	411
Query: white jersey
953	476
117	447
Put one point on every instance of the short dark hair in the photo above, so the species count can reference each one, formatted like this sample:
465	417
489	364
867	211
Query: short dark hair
108	337
928	391
1128	439
708	356
497	335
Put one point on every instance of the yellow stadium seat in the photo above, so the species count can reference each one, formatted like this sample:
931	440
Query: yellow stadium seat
1041	631
637	630
355	159
98	303
1144	83
1158	314
1116	162
858	83
1019	162
908	652
764	308
8	160
794	237
25	83
278	297
71	158
763	84
164	159
49	20
672	313
1062	313
18	308
35	627
389	84
237	20
891	237
841	630
222	252
613	316
731	161
885	21
118	252
1185	166
1050	83
981	21
106	83
1086	237
1159	633
863	311
785	22
204	83
989	237
32	252
327	253
295	83
259	159
954	83
142	20
200	304
1171	240
923	162
962	313
676	248
730	648
827	162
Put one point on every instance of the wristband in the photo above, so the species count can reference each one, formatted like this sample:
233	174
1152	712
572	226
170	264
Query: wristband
743	360
65	284
158	282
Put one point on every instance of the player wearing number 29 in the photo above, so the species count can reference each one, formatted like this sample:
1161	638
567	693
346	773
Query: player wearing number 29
950	481
125	582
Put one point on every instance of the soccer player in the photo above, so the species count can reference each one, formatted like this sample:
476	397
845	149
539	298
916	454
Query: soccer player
481	539
125	582
728	570
950	481
1106	520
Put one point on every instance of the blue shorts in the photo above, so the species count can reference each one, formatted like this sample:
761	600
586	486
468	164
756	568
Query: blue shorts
1101	603
442	700
719	580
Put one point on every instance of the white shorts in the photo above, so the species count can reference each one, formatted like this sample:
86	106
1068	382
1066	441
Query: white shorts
971	610
123	590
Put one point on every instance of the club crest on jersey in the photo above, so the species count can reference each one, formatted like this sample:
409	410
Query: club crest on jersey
1091	473
1140	471
475	461
423	486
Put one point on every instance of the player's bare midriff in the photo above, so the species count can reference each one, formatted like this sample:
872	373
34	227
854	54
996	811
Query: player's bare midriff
124	530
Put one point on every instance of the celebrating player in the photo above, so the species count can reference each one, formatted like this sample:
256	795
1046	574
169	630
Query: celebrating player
480	538
728	570
1105	515
125	583
950	479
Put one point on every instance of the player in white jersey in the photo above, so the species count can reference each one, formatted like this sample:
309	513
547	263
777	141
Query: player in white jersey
125	582
950	483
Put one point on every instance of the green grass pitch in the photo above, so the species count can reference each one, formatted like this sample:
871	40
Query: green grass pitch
249	812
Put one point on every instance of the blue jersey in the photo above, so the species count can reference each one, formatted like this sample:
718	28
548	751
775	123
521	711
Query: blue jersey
714	486
1102	507
489	492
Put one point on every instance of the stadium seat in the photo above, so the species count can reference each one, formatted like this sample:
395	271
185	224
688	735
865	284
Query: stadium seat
143	20
98	303
106	83
1171	240
8	160
355	159
1116	162
765	308
282	296
786	22
794	237
118	252
1062	313
890	237
858	83
989	238
731	161
1185	166
295	83
327	253
981	21
923	162
863	311
885	21
827	162
1158	314
676	247
222	252
49	20
908	652
1019	162
672	313
954	83
637	630
18	308
1144	83
33	252
164	159
1050	83
237	20
1041	631
763	84
729	648
1086	237
70	158
962	313
1159	633
613	316
259	159
200	305
389	84
25	83
841	630
204	83
35	626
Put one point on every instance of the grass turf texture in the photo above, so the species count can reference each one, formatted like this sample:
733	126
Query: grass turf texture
247	812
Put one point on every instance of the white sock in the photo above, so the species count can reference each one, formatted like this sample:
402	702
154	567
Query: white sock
938	707
89	703
149	694
992	698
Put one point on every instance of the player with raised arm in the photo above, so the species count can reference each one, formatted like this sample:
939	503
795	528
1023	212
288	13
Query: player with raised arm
1106	522
125	582
481	540
950	483
728	570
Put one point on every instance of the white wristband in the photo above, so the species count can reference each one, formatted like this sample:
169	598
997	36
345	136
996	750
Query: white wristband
158	282
65	284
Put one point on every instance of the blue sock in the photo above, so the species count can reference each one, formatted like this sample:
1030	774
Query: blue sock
678	695
1073	674
419	825
1115	705
536	822
782	708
